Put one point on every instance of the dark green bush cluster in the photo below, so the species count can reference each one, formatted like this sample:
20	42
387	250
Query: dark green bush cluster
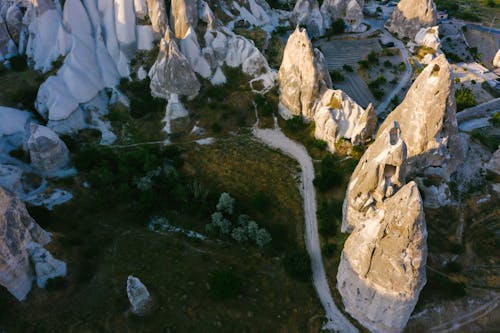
295	123
336	76
264	106
18	63
333	172
298	264
329	216
375	87
141	101
464	98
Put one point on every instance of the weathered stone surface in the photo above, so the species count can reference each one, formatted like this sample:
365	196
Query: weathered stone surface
338	116
158	16
429	37
172	73
17	231
382	267
306	13
410	16
183	15
494	163
46	267
139	296
303	75
496	60
48	153
7	46
427	117
379	174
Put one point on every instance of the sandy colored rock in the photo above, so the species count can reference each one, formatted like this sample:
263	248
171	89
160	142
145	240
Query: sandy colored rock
338	116
382	266
427	118
158	16
429	37
496	60
410	16
303	75
183	15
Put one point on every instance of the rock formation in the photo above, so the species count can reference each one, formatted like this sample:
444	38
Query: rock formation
382	266
48	153
496	60
306	13
46	267
139	296
7	46
429	37
427	117
338	116
410	16
183	15
20	249
303	75
158	16
172	73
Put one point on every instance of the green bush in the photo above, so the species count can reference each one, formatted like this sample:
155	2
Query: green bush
464	98
348	68
329	249
295	123
18	63
298	264
337	76
495	119
225	284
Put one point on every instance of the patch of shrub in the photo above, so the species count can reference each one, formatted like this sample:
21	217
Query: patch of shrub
329	249
295	123
336	76
18	63
464	98
225	284
348	68
297	264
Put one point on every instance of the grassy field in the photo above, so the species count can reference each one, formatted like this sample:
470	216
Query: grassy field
483	11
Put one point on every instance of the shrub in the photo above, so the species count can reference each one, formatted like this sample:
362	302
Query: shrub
465	99
337	76
495	119
297	264
453	267
387	64
372	57
295	123
328	249
262	237
239	234
348	68
216	128
57	283
18	63
225	284
226	203
338	27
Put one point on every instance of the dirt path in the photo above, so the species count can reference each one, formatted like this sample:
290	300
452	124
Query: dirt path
276	139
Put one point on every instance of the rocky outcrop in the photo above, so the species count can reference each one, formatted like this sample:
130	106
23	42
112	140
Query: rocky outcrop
158	16
7	46
183	15
429	37
379	174
48	153
427	118
496	60
382	266
338	116
20	248
410	16
303	75
306	13
46	267
139	296
172	73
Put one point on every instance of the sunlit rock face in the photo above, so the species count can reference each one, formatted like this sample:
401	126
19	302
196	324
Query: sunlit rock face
183	15
427	118
306	13
158	16
338	116
379	174
382	266
172	73
429	37
18	232
410	16
303	75
496	60
48	153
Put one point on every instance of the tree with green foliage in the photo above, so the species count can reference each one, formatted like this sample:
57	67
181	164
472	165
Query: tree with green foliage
464	98
262	237
226	203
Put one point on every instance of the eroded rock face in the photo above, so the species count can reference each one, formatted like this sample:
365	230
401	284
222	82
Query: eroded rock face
382	267
14	21
19	233
46	267
427	118
429	37
496	60
338	116
410	16
172	73
7	46
379	174
138	295
183	15
158	16
306	13
303	75
48	153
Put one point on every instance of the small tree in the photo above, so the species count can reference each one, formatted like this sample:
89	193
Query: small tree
262	238
239	234
225	204
252	229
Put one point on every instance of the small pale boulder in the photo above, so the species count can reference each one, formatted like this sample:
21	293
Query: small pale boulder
46	267
48	152
139	296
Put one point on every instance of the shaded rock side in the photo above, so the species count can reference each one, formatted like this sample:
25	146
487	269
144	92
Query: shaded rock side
379	174
496	60
17	232
138	295
303	75
307	13
382	266
410	16
427	118
48	153
338	116
172	72
158	16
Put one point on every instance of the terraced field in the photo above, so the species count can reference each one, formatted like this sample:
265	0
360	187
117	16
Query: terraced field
346	51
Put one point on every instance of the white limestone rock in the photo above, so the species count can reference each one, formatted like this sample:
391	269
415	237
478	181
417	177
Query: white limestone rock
14	22
303	75
410	16
379	174
429	37
141	9
306	13
494	163
139	296
183	15
46	267
382	266
48	153
206	15
158	16
427	117
13	128
172	73
17	231
354	16
193	52
7	46
496	60
338	116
